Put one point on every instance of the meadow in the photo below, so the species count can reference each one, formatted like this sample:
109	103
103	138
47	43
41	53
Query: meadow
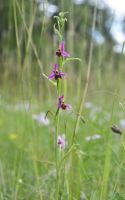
33	166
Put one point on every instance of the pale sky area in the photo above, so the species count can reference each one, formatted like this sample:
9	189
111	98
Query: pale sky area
118	6
118	10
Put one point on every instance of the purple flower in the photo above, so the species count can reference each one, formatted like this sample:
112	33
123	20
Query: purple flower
61	51
61	142
56	73
62	105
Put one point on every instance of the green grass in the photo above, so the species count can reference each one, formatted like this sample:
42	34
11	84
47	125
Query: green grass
89	170
27	158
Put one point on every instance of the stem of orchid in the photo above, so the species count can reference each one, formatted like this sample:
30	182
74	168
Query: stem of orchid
61	63
58	81
59	30
57	160
58	87
57	131
56	150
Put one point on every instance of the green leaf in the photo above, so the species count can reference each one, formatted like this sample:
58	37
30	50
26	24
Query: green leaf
57	32
61	14
57	18
57	112
71	59
54	83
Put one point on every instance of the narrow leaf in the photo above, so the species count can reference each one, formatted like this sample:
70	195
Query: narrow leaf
54	83
71	59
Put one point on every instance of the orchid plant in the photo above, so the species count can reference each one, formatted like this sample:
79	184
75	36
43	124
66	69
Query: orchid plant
57	75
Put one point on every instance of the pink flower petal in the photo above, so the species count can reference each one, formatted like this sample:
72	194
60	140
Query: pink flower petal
68	107
55	67
62	73
61	97
65	54
51	76
61	141
62	46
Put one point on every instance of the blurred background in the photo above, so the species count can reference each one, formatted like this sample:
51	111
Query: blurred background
94	32
28	44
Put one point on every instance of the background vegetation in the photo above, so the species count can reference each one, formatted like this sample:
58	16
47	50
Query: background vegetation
27	49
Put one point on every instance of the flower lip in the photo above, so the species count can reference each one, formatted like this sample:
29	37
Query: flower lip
61	51
56	73
58	53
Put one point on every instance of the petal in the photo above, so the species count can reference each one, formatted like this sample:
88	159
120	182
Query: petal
61	98
51	75
68	107
62	74
62	46
61	142
59	105
59	139
65	54
55	67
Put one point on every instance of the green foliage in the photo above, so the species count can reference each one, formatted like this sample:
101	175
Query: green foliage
27	168
27	45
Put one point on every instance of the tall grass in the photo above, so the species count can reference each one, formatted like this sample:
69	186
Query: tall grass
90	169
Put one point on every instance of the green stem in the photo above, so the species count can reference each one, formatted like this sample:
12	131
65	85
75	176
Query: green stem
58	87
57	131
57	152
